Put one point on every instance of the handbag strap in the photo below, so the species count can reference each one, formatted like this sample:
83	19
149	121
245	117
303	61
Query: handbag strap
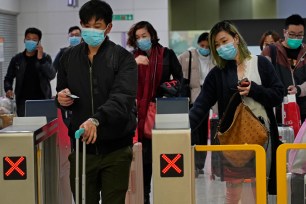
189	67
226	110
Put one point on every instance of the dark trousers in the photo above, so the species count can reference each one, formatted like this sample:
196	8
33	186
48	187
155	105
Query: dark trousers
147	165
20	109
106	173
199	137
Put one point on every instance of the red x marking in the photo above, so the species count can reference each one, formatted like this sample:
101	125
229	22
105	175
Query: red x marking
171	163
14	166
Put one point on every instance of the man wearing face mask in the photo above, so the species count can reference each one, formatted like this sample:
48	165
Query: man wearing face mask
74	38
200	62
104	77
290	63
32	70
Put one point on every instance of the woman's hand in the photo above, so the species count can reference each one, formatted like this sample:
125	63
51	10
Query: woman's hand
141	59
244	88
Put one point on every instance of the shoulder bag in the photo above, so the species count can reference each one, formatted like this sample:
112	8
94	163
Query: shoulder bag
245	128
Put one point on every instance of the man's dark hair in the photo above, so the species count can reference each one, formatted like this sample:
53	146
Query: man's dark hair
294	19
142	24
74	28
203	37
100	10
33	31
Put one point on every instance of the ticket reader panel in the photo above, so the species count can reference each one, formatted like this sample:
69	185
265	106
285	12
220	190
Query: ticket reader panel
29	170
173	167
17	159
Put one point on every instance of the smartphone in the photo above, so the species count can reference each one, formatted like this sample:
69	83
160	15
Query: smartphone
244	82
72	96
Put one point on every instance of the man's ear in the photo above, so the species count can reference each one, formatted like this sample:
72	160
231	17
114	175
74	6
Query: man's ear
109	28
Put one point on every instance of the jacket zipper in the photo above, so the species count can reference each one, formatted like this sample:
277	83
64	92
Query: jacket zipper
91	92
92	100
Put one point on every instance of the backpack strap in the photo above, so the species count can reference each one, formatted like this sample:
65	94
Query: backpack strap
189	67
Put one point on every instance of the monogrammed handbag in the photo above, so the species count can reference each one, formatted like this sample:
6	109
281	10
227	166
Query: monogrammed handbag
245	128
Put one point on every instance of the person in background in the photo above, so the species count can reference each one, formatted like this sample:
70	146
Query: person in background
74	38
290	64
291	68
267	38
262	93
104	77
152	59
201	64
65	195
33	71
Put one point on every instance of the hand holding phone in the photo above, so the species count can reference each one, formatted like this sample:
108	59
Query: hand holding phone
244	82
40	51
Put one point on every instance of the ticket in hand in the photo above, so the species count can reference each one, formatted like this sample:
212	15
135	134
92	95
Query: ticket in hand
72	96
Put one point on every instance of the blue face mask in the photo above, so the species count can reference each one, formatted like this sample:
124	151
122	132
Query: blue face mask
227	51
204	51
294	43
93	37
144	44
30	45
74	40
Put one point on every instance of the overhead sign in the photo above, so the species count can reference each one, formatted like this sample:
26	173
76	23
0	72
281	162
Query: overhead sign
14	168
123	17
171	165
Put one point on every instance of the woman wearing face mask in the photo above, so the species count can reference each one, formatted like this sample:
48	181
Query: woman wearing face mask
267	38
200	62
154	62
263	92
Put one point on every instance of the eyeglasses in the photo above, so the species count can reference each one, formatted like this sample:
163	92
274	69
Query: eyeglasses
293	35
